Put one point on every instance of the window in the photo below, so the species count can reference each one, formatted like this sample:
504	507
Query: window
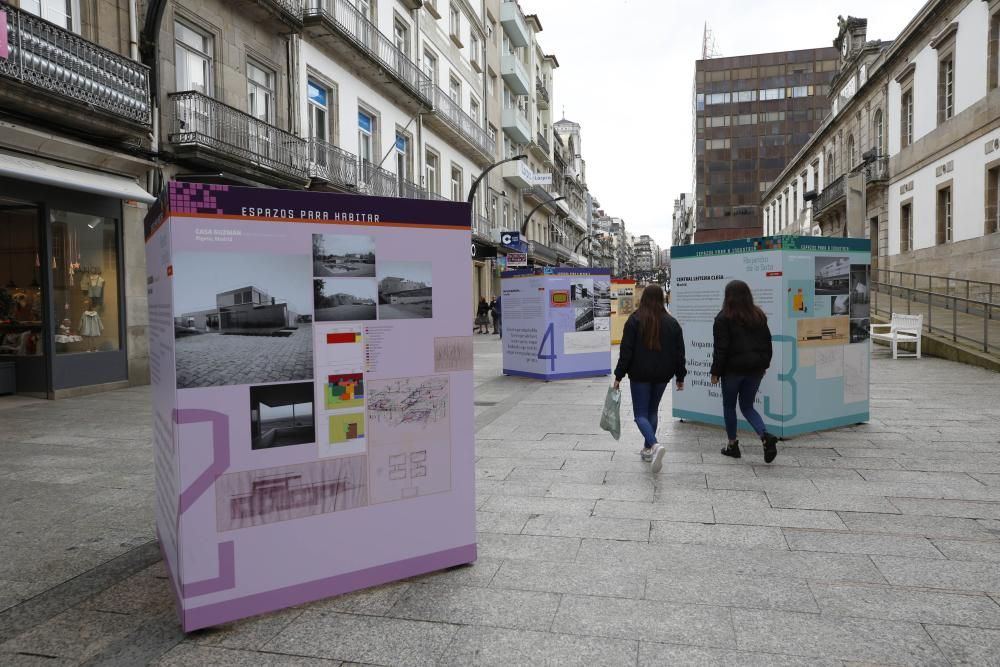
506	216
852	159
746	119
84	282
193	55
800	91
717	98
993	200
993	68
430	66
494	209
946	88
745	96
366	131
906	227
456	183
717	121
431	162
700	101
402	157
455	90
491	131
455	22
906	119
64	13
830	170
401	37
771	94
944	215
260	92
716	144
474	111
492	89
795	200
474	50
878	133
319	110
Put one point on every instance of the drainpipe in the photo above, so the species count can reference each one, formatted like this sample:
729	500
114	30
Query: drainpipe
133	30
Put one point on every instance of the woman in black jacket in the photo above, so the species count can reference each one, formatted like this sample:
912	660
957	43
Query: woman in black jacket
651	353
483	316
742	354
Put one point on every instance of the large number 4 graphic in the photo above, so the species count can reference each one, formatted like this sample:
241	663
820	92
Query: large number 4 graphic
549	337
788	377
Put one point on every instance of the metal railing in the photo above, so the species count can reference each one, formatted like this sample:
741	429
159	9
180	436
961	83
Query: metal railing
56	60
542	91
877	170
332	164
482	226
831	194
352	24
377	181
200	120
542	142
451	112
972	319
292	8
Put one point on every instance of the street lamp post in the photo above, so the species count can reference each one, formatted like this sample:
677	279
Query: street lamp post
524	225
475	183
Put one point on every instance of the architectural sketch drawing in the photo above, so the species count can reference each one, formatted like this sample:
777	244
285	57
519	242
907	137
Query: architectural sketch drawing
408	401
402	471
452	353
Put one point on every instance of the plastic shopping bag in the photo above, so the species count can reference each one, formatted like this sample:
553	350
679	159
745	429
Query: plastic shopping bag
610	417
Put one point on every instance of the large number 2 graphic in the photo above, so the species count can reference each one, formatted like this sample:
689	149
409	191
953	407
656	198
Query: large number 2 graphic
788	377
551	356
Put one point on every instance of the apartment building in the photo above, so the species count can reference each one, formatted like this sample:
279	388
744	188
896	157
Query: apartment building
683	220
836	184
75	148
752	115
910	157
647	254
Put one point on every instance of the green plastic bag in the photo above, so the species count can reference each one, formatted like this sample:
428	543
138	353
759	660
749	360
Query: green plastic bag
610	417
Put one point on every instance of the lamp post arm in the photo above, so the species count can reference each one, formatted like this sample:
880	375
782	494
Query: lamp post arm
475	183
527	218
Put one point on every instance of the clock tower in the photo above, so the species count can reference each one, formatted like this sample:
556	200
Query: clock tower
850	37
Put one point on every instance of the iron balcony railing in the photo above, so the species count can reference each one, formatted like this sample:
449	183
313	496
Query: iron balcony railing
332	164
290	9
199	120
377	181
542	251
831	194
541	90
365	35
542	142
877	171
50	58
482	226
451	112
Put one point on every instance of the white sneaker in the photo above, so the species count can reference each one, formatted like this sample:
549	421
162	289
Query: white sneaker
658	453
646	454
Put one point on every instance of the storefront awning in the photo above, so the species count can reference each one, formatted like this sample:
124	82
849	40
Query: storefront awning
14	165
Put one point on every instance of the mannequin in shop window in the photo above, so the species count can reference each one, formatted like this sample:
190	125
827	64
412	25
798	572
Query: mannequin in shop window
91	326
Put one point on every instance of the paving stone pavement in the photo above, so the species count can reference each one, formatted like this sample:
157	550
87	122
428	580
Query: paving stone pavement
876	544
211	359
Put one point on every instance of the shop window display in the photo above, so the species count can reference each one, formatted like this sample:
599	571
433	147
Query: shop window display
20	291
85	282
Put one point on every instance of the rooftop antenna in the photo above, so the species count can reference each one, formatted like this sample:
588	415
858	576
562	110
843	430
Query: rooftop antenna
709	49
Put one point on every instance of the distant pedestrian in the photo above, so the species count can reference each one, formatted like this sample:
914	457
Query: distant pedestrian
741	356
497	317
651	353
495	314
483	316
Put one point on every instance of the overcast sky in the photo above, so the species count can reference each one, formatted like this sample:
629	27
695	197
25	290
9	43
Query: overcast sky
626	74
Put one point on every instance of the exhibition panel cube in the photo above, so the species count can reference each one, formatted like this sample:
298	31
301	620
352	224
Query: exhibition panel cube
311	365
816	294
624	302
556	322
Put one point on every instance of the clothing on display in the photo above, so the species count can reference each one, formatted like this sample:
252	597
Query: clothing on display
90	324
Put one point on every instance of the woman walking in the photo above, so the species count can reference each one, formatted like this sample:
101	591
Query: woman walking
741	356
651	353
483	316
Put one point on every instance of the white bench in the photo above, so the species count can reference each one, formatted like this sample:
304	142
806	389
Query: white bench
901	329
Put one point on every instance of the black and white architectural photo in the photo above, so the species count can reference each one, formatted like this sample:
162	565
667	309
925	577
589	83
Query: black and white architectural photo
602	298
832	275
860	291
840	304
344	299
346	255
241	318
281	415
860	330
405	290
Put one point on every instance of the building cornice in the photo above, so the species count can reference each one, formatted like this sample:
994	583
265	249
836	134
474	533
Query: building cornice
906	73
945	35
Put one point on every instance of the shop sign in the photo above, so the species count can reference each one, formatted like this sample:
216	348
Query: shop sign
483	251
516	259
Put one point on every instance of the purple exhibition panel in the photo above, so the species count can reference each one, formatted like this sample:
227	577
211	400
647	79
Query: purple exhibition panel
556	322
311	363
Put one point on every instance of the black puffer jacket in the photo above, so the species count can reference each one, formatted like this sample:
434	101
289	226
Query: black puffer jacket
739	349
644	365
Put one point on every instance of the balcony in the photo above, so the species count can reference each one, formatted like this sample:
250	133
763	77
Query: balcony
541	252
409	190
377	181
514	73
483	228
288	12
341	28
516	125
211	133
60	77
457	126
831	194
329	164
541	94
517	173
877	171
542	143
514	24
539	194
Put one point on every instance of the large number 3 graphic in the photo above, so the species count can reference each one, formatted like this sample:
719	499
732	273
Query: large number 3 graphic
788	377
549	337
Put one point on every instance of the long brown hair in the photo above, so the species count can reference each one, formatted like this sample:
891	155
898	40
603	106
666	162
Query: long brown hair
739	307
650	312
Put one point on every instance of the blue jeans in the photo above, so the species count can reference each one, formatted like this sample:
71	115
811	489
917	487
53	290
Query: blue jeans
646	407
742	389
